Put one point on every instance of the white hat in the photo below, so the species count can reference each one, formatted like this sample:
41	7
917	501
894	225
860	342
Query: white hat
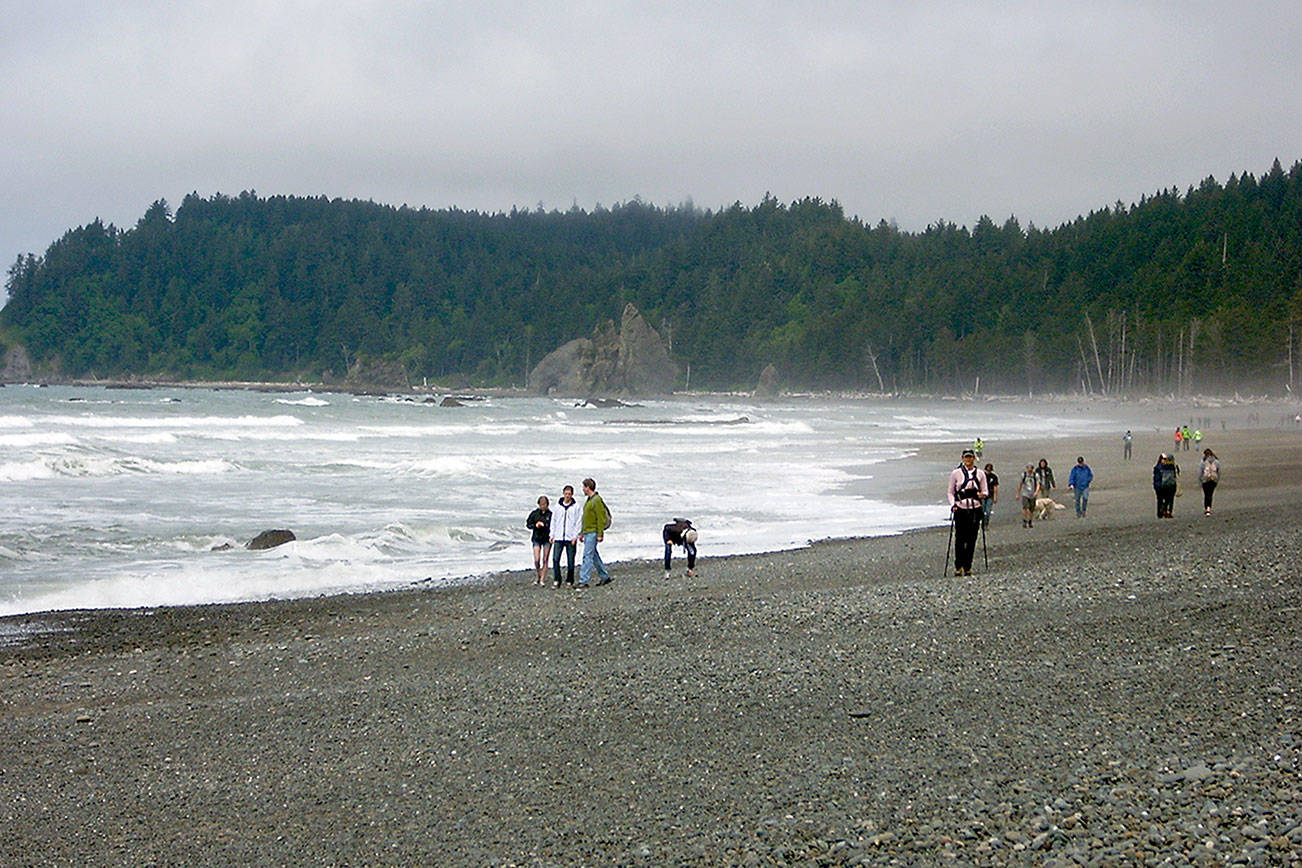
690	536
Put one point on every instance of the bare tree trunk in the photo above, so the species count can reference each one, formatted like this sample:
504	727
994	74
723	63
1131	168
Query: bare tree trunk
1179	365
1084	366
872	357
1094	344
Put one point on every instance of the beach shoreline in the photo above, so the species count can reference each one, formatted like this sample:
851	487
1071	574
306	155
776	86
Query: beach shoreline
1085	699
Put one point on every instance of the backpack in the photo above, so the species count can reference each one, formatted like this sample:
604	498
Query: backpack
1210	473
1166	476
1027	488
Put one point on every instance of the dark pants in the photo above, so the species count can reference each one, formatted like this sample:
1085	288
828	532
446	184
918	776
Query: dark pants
568	547
691	555
1209	488
1165	500
967	524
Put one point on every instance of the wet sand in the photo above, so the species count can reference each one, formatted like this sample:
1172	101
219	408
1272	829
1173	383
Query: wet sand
1114	690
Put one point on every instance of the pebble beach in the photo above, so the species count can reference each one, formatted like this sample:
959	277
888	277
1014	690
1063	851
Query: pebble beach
1113	690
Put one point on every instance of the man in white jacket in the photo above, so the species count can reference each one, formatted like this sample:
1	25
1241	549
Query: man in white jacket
567	519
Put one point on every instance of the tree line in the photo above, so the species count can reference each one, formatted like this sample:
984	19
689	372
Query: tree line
1179	292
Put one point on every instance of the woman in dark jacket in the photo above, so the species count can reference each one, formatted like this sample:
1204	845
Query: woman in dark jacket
1166	476
539	523
1044	476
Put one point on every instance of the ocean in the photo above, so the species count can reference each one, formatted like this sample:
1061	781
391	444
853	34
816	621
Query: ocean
124	498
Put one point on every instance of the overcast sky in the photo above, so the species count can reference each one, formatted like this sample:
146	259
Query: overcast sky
905	111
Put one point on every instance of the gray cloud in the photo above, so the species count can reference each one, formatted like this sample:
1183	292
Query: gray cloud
912	112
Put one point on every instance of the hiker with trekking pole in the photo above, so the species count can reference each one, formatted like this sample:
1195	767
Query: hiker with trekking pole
968	487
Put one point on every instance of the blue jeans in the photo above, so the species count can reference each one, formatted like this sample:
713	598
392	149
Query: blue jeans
591	558
1082	499
566	547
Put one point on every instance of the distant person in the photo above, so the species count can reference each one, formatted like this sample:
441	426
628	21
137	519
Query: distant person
567	519
967	489
1127	440
1209	475
1179	436
988	505
596	518
539	523
1045	474
1166	476
977	446
1186	437
680	532
1079	482
1197	439
1028	491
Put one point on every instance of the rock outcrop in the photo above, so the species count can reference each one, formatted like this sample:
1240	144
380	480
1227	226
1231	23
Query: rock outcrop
768	382
630	360
269	539
17	365
370	374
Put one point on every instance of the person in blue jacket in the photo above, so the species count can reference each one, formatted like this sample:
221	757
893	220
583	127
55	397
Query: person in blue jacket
1079	482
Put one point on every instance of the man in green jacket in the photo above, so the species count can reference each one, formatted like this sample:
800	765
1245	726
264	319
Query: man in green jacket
596	518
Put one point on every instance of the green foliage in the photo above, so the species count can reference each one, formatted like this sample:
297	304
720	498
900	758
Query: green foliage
1178	288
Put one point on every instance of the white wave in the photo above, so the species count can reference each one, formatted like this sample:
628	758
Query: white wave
184	422
88	466
304	402
46	438
15	422
26	471
158	438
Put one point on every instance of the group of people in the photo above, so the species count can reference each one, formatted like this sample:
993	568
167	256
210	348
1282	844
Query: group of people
1037	484
1166	481
1184	437
973	493
557	532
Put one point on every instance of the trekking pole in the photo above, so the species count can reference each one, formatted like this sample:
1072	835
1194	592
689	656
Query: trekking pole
984	554
950	543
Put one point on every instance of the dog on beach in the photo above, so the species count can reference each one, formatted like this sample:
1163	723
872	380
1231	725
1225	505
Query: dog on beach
1044	507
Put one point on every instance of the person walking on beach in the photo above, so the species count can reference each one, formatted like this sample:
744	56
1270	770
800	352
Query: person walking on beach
1044	473
539	523
565	531
1198	439
680	532
1179	435
1209	474
978	445
1079	482
1126	440
988	505
596	518
967	489
1166	475
1186	437
1029	491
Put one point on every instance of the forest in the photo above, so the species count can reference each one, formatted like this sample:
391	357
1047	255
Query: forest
1183	291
